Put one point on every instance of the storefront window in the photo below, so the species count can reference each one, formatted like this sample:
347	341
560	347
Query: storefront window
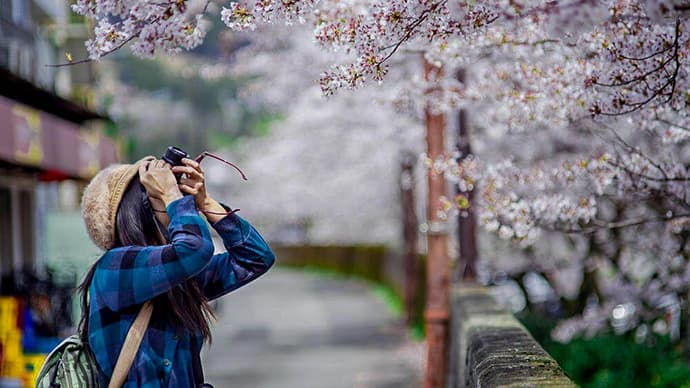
6	246
17	229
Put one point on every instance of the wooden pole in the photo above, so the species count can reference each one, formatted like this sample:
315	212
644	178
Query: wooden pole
436	311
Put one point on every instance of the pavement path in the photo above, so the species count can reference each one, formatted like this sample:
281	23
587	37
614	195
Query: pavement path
294	329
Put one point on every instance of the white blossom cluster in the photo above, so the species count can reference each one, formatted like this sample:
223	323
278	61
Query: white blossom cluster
517	203
150	26
628	59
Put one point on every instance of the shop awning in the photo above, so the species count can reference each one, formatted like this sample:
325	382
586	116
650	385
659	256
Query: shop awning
20	90
58	148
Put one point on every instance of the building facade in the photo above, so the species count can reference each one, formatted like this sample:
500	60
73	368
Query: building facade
46	138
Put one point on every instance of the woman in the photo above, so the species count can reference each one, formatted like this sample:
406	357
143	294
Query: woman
158	248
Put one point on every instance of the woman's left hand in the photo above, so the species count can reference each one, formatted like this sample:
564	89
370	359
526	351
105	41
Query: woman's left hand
194	183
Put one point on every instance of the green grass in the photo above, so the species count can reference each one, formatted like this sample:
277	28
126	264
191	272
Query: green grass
417	331
390	298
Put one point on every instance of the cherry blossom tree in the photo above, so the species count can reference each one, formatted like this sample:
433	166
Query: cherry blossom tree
579	116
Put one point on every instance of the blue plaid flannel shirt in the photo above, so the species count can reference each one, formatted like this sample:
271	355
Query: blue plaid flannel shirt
126	277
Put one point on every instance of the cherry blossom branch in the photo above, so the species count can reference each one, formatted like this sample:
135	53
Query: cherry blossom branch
671	80
667	122
548	7
648	177
410	29
637	151
150	26
650	56
600	225
87	60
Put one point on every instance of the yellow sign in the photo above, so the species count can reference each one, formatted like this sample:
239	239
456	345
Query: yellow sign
27	131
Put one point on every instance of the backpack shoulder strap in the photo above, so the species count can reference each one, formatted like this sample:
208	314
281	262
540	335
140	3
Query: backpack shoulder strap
131	346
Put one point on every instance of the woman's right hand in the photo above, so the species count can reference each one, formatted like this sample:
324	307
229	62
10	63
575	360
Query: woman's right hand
159	181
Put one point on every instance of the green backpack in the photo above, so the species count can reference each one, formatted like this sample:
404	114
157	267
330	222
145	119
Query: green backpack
73	365
70	364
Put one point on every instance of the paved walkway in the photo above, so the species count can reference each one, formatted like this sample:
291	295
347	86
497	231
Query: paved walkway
295	330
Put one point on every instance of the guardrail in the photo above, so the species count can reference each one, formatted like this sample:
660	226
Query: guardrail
490	348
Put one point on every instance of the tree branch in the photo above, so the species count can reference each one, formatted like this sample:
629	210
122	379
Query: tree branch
600	225
86	60
670	80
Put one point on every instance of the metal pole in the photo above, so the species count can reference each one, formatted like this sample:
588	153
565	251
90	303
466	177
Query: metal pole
467	222
410	232
436	311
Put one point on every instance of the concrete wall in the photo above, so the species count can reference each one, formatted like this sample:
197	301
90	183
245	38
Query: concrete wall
490	348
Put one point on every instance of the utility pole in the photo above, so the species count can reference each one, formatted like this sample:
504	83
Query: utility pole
410	231
436	311
467	222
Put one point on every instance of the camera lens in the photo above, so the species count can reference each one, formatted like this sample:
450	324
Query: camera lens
174	155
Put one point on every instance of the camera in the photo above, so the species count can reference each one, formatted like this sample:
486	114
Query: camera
174	155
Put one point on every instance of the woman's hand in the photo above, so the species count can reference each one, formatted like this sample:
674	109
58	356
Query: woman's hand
194	183
159	181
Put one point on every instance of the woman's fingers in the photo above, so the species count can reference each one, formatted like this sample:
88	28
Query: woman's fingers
158	180
191	188
189	182
192	163
187	190
142	169
192	180
189	171
157	163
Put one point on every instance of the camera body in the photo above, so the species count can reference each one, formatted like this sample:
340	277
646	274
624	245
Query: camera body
173	156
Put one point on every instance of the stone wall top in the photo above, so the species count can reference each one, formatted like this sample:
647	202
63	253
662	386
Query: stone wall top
490	348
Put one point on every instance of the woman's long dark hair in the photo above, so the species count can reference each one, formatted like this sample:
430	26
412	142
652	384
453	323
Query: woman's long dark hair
134	225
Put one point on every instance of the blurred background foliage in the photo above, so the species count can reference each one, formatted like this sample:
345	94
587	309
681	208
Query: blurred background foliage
608	360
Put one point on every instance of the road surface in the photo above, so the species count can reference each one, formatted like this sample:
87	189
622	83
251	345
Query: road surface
291	329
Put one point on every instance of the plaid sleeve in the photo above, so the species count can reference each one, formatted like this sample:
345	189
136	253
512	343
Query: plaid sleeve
247	257
131	275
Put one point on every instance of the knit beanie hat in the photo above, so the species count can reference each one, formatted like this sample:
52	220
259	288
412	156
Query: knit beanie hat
102	198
